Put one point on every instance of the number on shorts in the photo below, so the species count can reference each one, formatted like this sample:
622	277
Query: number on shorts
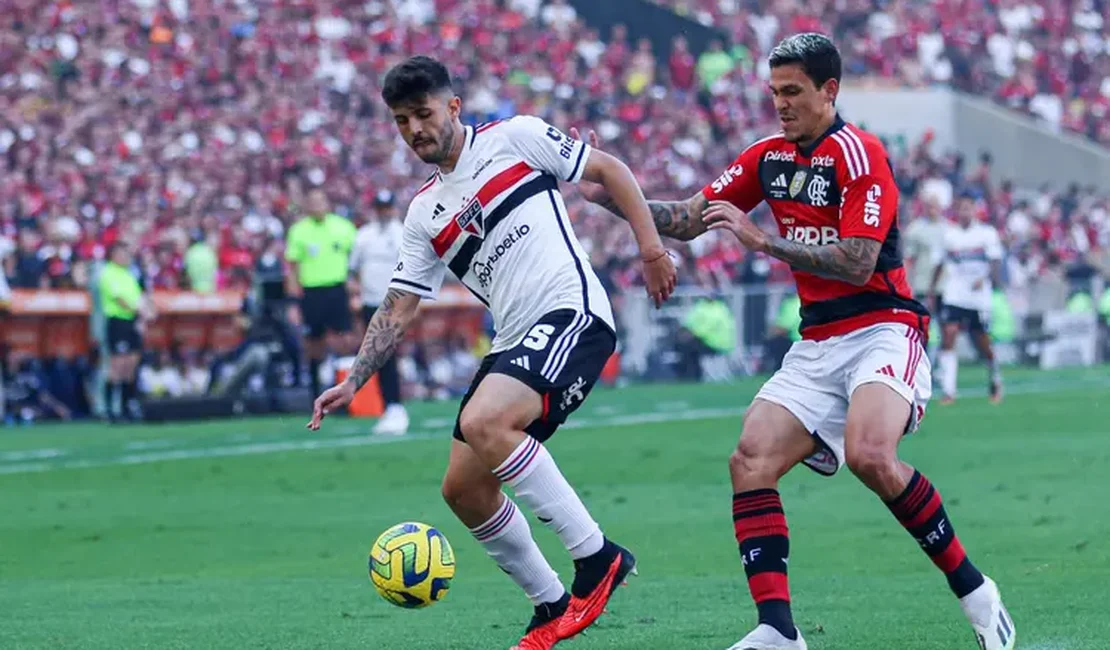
539	337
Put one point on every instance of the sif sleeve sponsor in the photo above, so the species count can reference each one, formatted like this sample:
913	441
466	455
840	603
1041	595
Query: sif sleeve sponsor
546	148
739	183
869	200
419	270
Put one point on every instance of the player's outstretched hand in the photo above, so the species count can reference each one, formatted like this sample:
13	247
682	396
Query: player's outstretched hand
592	192
333	398
724	215
660	277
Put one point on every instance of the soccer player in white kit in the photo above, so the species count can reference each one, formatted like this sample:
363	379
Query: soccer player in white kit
377	245
492	214
969	259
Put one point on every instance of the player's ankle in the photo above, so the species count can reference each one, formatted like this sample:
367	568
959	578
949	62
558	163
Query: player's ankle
777	614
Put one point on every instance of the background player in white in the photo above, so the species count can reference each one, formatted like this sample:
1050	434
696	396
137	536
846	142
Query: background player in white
969	258
377	245
492	213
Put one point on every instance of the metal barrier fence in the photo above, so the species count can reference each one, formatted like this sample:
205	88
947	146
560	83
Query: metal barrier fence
651	340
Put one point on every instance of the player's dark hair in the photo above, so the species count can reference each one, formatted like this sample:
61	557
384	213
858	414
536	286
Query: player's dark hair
817	55
414	79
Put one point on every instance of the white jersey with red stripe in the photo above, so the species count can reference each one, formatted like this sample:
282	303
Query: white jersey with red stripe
967	255
498	223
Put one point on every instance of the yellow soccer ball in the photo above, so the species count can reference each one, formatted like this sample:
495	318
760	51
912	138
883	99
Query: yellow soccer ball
411	565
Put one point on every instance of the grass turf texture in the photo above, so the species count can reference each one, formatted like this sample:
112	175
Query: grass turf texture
234	547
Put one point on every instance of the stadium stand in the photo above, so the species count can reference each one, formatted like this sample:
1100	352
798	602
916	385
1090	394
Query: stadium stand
199	125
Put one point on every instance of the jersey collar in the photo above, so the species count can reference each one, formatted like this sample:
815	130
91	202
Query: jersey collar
837	124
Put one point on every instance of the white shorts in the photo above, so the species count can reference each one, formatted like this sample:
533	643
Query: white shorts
817	379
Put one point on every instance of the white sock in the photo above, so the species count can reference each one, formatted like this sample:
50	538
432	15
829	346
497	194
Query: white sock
531	472
949	368
508	540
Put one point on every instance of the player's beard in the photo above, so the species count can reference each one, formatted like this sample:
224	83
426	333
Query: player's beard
446	139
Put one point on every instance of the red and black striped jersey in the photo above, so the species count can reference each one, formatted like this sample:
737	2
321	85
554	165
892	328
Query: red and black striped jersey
840	186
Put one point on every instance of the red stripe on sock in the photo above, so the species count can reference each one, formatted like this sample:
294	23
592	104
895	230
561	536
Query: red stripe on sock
926	512
906	507
760	526
952	557
769	586
755	504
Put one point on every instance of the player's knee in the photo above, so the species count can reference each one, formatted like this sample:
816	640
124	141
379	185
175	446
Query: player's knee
869	461
470	499
480	424
754	461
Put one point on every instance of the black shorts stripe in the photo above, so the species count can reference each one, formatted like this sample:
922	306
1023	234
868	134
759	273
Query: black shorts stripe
460	264
570	249
414	285
577	163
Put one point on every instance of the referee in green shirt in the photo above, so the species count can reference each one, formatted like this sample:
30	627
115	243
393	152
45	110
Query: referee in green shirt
318	248
121	302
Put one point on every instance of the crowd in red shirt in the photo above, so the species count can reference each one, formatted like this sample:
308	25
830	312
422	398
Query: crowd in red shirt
167	122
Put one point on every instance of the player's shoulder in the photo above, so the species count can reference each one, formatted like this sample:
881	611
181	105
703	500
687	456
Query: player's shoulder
986	230
857	152
426	190
766	144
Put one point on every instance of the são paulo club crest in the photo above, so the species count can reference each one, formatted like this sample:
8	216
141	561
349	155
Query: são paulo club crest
471	219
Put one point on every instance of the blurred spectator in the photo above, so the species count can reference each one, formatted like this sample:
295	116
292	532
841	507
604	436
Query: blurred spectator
192	130
201	263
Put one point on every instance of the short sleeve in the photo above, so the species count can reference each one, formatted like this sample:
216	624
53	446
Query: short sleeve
350	233
869	198
548	149
739	183
419	270
294	246
869	207
940	251
994	245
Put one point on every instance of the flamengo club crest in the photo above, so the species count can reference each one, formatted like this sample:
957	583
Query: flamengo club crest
797	183
471	220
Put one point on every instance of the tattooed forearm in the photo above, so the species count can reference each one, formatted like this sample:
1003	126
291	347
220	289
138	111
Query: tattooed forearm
675	219
383	334
852	259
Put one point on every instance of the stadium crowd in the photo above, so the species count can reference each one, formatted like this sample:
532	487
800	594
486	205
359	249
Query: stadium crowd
1047	58
182	124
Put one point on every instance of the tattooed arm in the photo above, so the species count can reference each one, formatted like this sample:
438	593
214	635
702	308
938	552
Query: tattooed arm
383	334
852	259
675	219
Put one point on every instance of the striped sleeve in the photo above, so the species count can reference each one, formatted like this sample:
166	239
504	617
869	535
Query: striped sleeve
418	270
869	198
546	148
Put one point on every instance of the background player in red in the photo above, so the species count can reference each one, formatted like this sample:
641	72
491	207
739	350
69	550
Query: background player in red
859	380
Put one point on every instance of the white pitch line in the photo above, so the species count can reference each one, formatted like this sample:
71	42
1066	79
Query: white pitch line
349	441
31	454
361	439
142	445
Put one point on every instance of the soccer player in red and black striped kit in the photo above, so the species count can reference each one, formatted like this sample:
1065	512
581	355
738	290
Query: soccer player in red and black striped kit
859	379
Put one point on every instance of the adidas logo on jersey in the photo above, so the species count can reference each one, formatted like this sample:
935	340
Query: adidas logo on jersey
780	181
522	362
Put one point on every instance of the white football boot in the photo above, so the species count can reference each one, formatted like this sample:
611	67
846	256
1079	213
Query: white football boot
394	421
994	629
766	637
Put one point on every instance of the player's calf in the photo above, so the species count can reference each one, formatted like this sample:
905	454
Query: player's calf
877	418
772	442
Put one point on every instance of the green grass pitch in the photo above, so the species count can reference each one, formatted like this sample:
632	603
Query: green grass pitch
254	533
